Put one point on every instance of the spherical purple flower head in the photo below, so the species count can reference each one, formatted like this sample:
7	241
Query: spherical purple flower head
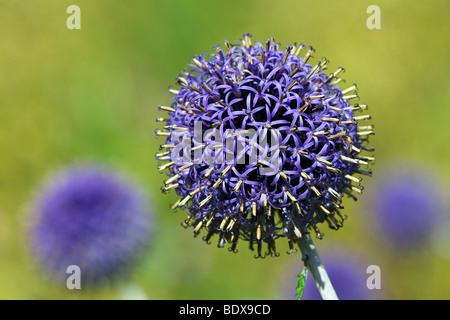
347	273
259	143
90	217
405	205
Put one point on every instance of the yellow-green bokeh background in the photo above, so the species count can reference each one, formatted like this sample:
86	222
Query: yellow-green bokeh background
92	94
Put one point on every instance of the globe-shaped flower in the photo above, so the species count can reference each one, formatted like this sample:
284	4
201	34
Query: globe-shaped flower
260	143
90	217
405	206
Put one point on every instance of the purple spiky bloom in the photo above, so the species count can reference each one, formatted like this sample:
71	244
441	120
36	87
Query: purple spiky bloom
405	206
260	143
91	217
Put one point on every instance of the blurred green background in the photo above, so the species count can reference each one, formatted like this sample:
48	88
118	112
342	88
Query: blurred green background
92	94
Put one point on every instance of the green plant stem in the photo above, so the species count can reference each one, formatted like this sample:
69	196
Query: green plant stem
311	258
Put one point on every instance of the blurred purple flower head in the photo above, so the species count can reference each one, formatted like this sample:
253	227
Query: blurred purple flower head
347	273
260	143
405	205
90	217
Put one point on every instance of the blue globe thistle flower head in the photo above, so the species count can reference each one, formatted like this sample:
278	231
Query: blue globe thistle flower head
260	143
91	217
405	206
348	274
